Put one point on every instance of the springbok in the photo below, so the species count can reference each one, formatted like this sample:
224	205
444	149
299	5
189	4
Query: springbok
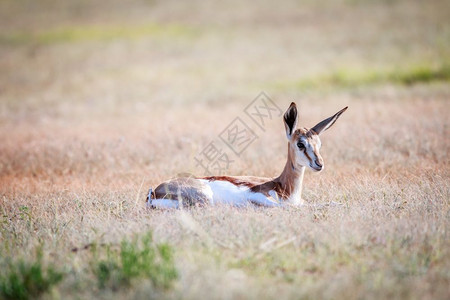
303	152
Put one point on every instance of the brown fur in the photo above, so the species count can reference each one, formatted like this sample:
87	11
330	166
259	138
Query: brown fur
232	179
284	184
189	187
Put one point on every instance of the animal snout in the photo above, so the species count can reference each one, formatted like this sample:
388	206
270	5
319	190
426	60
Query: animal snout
318	163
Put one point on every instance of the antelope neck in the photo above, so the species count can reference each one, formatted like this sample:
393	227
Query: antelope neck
291	180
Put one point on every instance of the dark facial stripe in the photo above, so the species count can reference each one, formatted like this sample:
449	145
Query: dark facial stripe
307	156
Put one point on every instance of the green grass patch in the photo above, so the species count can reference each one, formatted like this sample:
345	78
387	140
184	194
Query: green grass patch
139	258
98	33
421	74
27	279
352	78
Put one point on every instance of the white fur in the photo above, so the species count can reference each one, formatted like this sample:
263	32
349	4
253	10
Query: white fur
296	196
162	203
224	192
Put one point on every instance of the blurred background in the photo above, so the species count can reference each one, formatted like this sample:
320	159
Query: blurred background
86	85
127	56
100	100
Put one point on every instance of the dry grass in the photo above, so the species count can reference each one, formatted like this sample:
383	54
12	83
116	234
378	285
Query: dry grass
92	115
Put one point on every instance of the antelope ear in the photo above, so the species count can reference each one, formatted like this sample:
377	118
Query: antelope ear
327	123
290	119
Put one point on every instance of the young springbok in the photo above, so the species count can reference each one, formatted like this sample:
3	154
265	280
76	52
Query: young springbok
303	152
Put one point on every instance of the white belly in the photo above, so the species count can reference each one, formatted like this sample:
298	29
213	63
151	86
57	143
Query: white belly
224	192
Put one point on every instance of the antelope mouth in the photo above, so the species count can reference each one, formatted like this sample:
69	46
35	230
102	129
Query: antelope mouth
316	168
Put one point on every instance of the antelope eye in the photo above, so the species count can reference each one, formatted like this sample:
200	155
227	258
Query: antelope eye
300	145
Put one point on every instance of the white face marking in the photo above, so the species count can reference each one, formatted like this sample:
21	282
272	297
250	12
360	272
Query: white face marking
300	157
309	155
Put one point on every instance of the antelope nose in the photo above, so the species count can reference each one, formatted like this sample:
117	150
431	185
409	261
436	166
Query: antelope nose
318	163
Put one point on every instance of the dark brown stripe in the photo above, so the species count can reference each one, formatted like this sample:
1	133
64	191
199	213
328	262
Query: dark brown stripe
306	153
235	181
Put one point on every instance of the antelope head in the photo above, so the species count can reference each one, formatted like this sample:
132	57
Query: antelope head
304	143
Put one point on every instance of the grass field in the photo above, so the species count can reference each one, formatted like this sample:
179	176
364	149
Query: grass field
100	100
